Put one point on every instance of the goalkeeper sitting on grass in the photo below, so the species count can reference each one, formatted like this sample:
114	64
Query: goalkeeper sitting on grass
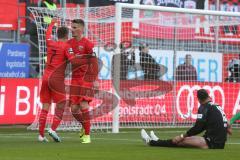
210	118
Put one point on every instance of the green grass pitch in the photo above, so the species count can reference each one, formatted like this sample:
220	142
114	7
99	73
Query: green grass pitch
20	144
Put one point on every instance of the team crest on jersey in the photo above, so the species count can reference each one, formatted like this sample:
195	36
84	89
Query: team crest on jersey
70	50
199	116
80	48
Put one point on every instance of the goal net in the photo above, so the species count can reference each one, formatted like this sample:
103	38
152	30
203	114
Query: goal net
154	61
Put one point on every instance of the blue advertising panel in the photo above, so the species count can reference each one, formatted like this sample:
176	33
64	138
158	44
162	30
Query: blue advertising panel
208	65
14	60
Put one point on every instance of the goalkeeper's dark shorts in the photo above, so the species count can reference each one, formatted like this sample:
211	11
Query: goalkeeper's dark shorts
213	145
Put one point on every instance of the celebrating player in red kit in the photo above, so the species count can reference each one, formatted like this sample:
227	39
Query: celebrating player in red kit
53	87
80	103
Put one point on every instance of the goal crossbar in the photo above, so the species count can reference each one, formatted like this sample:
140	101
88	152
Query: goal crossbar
177	10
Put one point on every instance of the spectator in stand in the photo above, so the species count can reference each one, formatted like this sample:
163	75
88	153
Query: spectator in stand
127	60
186	71
229	6
152	70
234	70
31	29
49	4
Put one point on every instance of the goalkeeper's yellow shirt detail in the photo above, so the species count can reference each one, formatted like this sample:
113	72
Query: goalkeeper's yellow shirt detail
48	19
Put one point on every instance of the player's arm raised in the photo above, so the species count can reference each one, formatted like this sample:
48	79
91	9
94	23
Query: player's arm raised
49	32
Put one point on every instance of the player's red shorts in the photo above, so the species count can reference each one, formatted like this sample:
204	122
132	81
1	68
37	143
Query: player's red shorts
52	91
80	91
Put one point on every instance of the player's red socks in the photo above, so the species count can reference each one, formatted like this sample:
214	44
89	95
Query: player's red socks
86	121
57	118
78	117
42	121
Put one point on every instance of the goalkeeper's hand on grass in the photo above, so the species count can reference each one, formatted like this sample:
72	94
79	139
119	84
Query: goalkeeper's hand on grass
229	129
178	139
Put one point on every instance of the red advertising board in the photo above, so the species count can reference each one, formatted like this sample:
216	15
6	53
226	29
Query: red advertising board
19	101
18	98
184	105
9	13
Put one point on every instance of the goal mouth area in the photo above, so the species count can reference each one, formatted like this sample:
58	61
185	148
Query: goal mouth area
158	98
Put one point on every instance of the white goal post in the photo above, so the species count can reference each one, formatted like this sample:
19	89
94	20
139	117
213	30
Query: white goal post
157	88
222	19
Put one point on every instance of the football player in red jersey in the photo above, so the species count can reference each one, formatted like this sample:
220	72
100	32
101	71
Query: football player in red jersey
53	87
80	103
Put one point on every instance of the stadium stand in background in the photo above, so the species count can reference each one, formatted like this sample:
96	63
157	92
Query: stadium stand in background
19	26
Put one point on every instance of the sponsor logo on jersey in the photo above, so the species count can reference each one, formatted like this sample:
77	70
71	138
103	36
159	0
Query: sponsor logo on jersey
70	50
80	48
199	116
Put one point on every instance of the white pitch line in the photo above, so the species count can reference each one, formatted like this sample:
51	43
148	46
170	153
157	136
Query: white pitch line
118	139
105	139
94	133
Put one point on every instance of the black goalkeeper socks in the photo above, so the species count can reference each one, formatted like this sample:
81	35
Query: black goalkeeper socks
163	143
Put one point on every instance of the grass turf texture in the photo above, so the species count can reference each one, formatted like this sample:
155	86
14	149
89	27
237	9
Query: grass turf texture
20	144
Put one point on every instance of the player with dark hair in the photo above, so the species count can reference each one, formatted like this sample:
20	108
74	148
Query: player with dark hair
210	117
53	87
186	71
152	70
234	70
83	77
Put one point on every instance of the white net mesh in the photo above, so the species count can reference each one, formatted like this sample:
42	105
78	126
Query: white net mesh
168	57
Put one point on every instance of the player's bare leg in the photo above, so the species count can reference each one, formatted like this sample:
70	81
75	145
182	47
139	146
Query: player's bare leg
194	141
42	122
